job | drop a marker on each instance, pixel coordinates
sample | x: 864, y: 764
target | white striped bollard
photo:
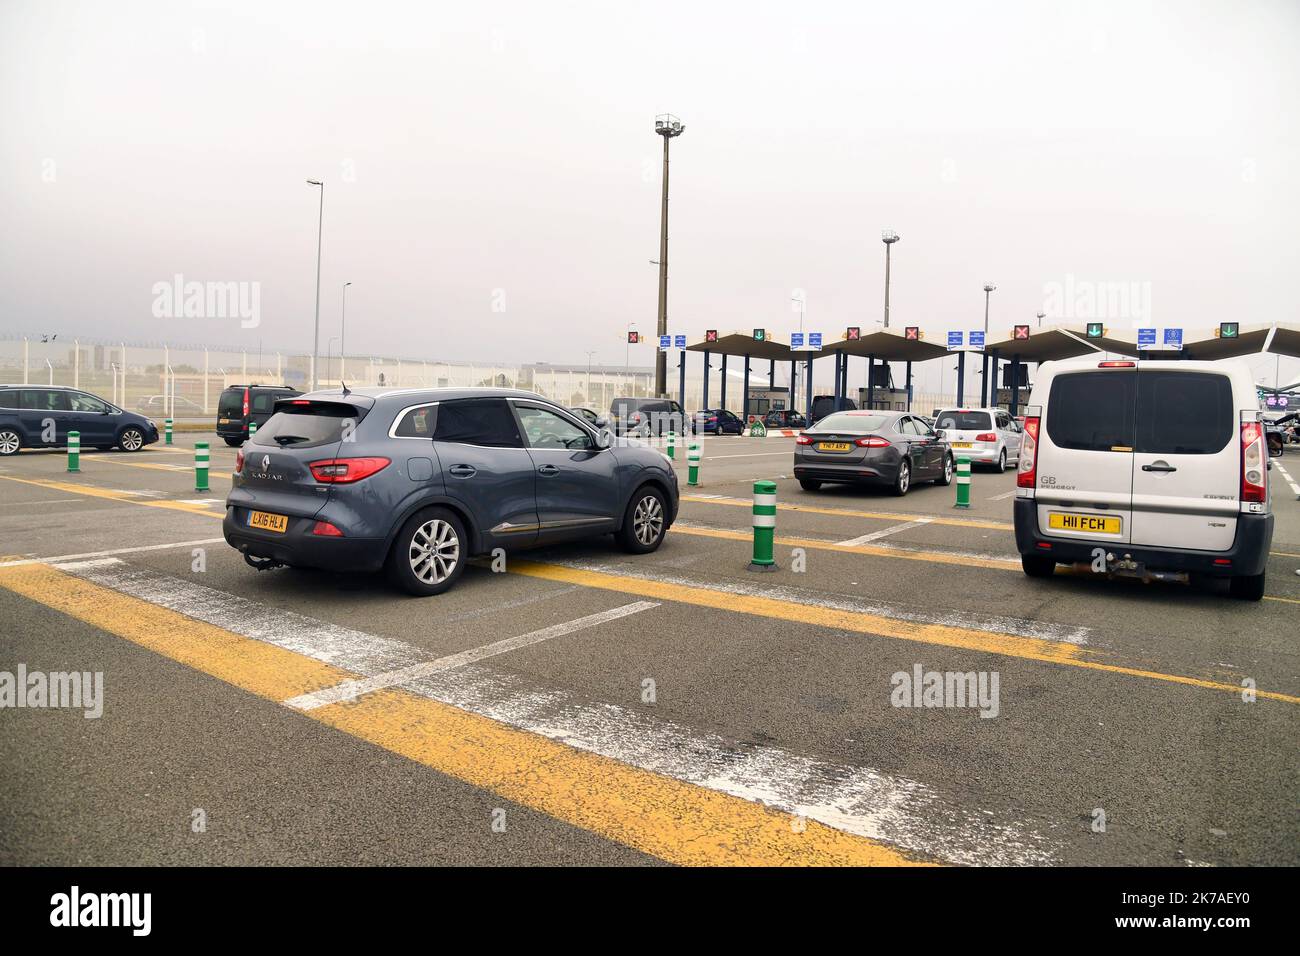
x: 963, y: 483
x: 693, y: 464
x: 764, y: 526
x: 201, y: 466
x: 74, y: 451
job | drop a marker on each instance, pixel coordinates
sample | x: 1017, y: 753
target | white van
x: 1152, y: 469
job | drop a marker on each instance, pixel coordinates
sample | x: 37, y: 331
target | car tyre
x: 131, y: 439
x: 10, y: 441
x: 1249, y: 587
x: 645, y: 522
x: 429, y: 553
x: 810, y: 484
x: 1037, y: 565
x: 234, y: 442
x: 904, y: 479
x: 1001, y: 466
x: 945, y: 478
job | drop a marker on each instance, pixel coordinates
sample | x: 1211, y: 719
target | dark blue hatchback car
x: 416, y: 481
x: 40, y: 416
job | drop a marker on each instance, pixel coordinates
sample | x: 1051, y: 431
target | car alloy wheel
x: 1002, y: 461
x: 434, y: 551
x: 648, y: 519
x: 947, y: 469
x: 10, y: 442
x: 132, y: 440
x: 904, y: 479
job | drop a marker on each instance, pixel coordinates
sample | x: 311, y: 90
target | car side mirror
x: 940, y: 434
x: 602, y: 421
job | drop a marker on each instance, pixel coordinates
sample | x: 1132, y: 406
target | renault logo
x: 266, y: 462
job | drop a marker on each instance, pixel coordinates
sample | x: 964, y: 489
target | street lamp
x: 667, y: 126
x: 1041, y: 316
x: 888, y: 237
x: 590, y: 353
x: 320, y: 225
x: 343, y: 334
x: 985, y: 395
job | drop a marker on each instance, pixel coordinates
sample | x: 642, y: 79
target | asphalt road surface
x: 587, y: 706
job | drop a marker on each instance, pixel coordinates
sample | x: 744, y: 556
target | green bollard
x: 252, y: 429
x: 74, y: 451
x: 672, y: 445
x: 693, y: 464
x: 764, y: 526
x: 963, y: 483
x: 167, y: 431
x: 201, y: 466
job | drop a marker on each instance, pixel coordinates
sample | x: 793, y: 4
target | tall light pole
x: 343, y: 334
x: 590, y: 353
x: 888, y: 237
x: 985, y: 395
x: 1041, y: 316
x: 667, y: 126
x: 320, y: 225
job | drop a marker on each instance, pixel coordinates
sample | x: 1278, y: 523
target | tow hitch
x: 1126, y: 567
x: 262, y: 564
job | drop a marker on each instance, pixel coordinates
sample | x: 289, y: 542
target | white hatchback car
x: 987, y: 436
x: 1152, y: 469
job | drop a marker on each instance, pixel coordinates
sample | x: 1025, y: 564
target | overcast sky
x: 492, y: 175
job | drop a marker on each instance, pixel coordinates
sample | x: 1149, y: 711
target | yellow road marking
x: 658, y: 815
x: 173, y: 469
x: 935, y: 557
x: 1007, y: 645
x: 113, y: 494
x: 1269, y: 597
x: 846, y: 513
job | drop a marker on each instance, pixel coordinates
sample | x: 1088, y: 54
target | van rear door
x: 1085, y: 456
x: 1186, y: 466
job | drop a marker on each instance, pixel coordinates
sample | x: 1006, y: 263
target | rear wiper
x: 283, y: 440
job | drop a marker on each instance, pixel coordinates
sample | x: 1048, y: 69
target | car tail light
x: 239, y: 461
x: 1252, y: 463
x: 326, y: 529
x: 1027, y: 470
x: 245, y: 403
x: 1116, y: 365
x: 986, y: 436
x: 803, y: 440
x: 343, y: 471
x: 872, y: 442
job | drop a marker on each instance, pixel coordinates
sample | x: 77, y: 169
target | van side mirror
x: 1275, y: 449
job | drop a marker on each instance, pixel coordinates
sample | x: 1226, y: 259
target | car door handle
x: 463, y: 471
x: 548, y: 470
x: 1159, y: 466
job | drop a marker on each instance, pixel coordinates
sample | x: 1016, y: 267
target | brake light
x: 1116, y: 365
x: 872, y: 442
x: 1027, y: 470
x: 300, y: 401
x: 344, y: 471
x: 245, y: 403
x: 986, y: 436
x: 803, y: 440
x: 326, y: 529
x: 239, y: 461
x: 1252, y: 463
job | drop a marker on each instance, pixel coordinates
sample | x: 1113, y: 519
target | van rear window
x: 1183, y: 413
x: 1092, y: 411
x: 231, y: 403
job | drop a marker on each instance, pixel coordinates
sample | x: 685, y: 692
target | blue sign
x: 1146, y: 338
x: 955, y: 340
x: 977, y: 340
x: 679, y: 341
x: 796, y: 340
x: 815, y: 340
x: 1174, y: 338
x: 665, y: 341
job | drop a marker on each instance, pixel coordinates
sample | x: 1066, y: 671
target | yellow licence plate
x: 1096, y: 524
x: 962, y: 444
x: 223, y: 421
x: 833, y: 446
x: 268, y: 522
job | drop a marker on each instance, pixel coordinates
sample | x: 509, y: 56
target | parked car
x: 644, y: 417
x: 431, y: 477
x: 157, y: 405
x: 875, y: 447
x: 784, y: 418
x: 240, y: 404
x: 1155, y: 469
x: 987, y: 436
x: 41, y: 417
x: 717, y: 421
x: 824, y: 405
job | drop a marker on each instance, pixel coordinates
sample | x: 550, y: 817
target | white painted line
x: 854, y: 799
x: 104, y: 554
x: 201, y: 501
x: 37, y: 501
x: 350, y: 690
x: 764, y: 454
x: 885, y: 532
x: 1007, y: 494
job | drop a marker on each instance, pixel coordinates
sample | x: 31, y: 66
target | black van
x: 241, y: 404
x: 823, y: 405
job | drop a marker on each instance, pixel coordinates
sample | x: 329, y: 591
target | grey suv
x: 416, y: 481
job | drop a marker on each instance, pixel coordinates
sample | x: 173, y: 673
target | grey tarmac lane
x: 1185, y: 774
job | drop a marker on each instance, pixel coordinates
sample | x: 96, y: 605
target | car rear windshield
x: 964, y: 421
x: 1183, y: 413
x: 840, y: 422
x: 231, y: 402
x: 1092, y: 411
x: 303, y: 426
x: 623, y: 407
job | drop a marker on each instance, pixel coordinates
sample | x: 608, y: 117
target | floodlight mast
x: 667, y: 126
